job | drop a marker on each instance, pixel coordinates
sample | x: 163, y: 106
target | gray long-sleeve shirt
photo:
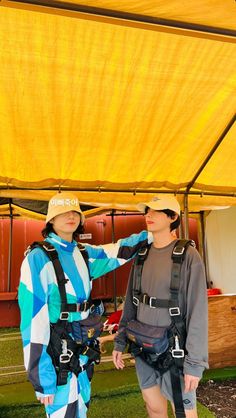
x: 193, y: 303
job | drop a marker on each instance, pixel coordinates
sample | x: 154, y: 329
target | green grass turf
x: 8, y: 330
x: 123, y: 397
x: 119, y: 403
x: 11, y: 353
x: 219, y: 374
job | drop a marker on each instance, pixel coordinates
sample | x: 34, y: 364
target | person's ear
x: 174, y: 218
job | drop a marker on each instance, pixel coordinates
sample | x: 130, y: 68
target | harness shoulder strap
x: 85, y: 256
x: 52, y: 254
x: 137, y: 272
x: 180, y: 248
x: 178, y: 255
x: 178, y: 325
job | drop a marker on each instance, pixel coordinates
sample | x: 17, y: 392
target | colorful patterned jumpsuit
x: 40, y: 305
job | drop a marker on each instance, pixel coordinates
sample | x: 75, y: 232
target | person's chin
x: 71, y: 228
x: 151, y: 228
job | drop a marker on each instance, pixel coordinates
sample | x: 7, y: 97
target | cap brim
x: 156, y: 206
x: 142, y: 207
x: 82, y: 217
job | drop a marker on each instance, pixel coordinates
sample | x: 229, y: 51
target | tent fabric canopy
x: 95, y: 103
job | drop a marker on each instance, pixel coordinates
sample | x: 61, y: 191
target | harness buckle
x: 48, y: 248
x: 86, y: 306
x: 145, y: 297
x: 177, y: 353
x: 92, y: 308
x: 65, y: 358
x: 150, y: 301
x: 175, y: 311
x: 85, y: 350
x: 143, y: 251
x: 135, y: 301
x: 64, y: 316
x: 178, y: 250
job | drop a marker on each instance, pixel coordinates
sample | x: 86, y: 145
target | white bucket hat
x: 161, y: 202
x: 61, y: 203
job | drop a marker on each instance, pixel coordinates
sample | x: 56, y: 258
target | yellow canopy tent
x: 117, y: 100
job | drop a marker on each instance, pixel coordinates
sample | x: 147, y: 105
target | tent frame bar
x: 186, y: 217
x: 128, y: 190
x: 128, y: 16
x: 201, y: 168
x: 211, y: 153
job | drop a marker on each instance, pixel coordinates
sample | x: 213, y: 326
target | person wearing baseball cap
x: 147, y: 303
x: 161, y: 202
x: 40, y: 305
x: 167, y: 205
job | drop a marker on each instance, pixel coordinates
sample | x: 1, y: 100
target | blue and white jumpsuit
x: 40, y: 305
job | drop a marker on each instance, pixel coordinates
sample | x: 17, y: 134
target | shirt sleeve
x: 35, y: 324
x: 105, y: 258
x: 196, y: 359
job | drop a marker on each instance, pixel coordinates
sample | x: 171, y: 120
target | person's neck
x: 66, y: 237
x: 162, y: 239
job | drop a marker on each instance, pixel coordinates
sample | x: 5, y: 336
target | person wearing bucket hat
x: 62, y: 203
x: 168, y: 270
x: 41, y: 307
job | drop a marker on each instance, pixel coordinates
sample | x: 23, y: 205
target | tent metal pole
x: 134, y: 17
x: 181, y: 226
x: 10, y: 247
x: 114, y: 271
x: 186, y: 223
x: 203, y: 239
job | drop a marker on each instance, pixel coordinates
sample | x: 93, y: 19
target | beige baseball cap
x: 61, y: 203
x: 161, y: 202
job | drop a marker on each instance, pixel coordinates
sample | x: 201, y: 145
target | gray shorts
x: 149, y: 377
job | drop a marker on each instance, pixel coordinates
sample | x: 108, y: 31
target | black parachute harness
x: 173, y: 358
x: 62, y: 348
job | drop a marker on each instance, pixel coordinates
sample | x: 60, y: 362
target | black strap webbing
x: 52, y: 254
x: 61, y: 280
x: 177, y: 392
x: 137, y: 270
x: 178, y: 255
x: 85, y: 256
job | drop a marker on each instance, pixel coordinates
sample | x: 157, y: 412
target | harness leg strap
x: 177, y: 392
x: 62, y: 376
